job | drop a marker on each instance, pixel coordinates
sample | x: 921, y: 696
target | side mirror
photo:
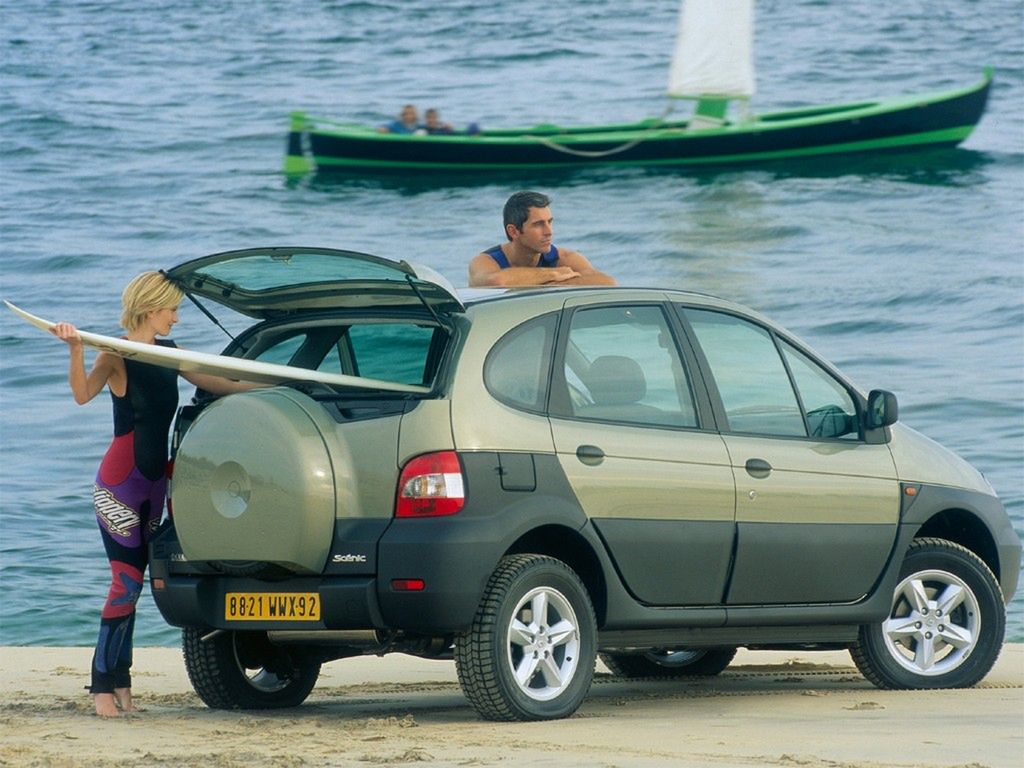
x: 883, y: 409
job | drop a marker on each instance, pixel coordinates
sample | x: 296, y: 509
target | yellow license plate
x: 272, y: 606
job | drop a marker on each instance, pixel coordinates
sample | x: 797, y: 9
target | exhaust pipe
x: 366, y: 641
x: 356, y: 638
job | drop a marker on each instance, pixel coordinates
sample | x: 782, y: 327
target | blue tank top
x: 549, y: 259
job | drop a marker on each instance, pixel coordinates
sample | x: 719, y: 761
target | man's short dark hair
x: 517, y: 208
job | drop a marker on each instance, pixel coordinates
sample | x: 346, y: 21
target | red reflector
x: 431, y: 485
x: 159, y: 584
x: 408, y: 585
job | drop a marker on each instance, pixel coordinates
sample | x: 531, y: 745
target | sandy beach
x: 768, y: 708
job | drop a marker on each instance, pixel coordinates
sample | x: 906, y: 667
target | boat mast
x: 713, y: 60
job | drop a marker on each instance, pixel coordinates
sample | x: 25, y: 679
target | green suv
x: 528, y: 480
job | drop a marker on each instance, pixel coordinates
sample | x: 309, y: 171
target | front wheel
x: 531, y: 650
x: 670, y: 662
x: 945, y: 628
x: 244, y: 670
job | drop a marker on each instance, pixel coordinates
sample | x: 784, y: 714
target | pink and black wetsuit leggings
x: 128, y: 509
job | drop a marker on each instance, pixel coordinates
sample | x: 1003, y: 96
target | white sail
x: 714, y: 50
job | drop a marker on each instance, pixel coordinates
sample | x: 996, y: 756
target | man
x: 529, y: 257
x: 432, y: 123
x: 406, y: 122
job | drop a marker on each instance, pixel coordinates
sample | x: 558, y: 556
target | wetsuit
x: 549, y: 259
x: 129, y: 500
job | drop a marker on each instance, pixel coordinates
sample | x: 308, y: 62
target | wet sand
x: 767, y: 709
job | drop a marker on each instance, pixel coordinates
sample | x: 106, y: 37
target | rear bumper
x: 453, y: 565
x: 199, y: 601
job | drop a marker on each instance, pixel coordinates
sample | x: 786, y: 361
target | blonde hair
x: 148, y: 292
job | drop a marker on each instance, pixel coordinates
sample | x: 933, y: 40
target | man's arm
x: 587, y: 273
x: 484, y: 272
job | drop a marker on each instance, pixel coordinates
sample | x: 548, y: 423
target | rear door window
x: 622, y: 364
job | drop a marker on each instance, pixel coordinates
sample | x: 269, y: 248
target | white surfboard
x: 218, y: 365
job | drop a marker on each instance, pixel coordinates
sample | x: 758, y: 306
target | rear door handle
x: 590, y: 454
x: 758, y: 468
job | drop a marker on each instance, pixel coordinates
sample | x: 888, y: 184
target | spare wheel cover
x: 253, y: 481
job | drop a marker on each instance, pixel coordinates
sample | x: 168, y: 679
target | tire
x: 243, y: 670
x: 513, y: 665
x: 670, y: 662
x: 945, y: 628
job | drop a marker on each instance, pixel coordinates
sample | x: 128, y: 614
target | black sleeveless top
x: 147, y: 409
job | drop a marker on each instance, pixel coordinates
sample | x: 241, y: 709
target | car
x: 647, y: 476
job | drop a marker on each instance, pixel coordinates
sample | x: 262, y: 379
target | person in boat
x: 529, y: 257
x: 408, y: 121
x: 128, y: 494
x: 432, y: 123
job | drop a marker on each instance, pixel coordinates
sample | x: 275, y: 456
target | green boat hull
x: 942, y: 119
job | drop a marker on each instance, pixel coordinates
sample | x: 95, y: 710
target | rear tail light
x: 431, y: 485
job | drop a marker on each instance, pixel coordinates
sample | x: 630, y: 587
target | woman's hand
x: 67, y: 333
x: 107, y: 370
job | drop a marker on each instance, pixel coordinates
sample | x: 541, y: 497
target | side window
x: 282, y: 352
x: 829, y: 407
x: 331, y: 362
x: 622, y: 364
x: 752, y: 381
x: 390, y: 351
x: 517, y: 368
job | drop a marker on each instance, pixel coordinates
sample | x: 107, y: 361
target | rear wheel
x: 530, y: 652
x: 670, y: 662
x: 244, y: 670
x: 945, y: 628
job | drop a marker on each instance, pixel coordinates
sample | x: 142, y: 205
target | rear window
x: 268, y: 271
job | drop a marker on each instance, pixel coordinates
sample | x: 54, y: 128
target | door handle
x: 590, y: 454
x: 758, y: 468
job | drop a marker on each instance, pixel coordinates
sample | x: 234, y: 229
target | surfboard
x: 186, y: 361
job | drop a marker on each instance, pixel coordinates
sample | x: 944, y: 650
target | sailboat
x: 712, y: 66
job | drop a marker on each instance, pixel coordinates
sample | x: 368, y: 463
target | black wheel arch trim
x: 972, y: 519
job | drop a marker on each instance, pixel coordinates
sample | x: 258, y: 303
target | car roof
x: 557, y: 297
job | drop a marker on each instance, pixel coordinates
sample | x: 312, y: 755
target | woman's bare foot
x: 106, y: 705
x: 123, y: 697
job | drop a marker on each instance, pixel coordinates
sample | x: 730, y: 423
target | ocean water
x: 138, y: 135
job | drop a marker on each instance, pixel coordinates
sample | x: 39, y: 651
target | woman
x: 132, y: 478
